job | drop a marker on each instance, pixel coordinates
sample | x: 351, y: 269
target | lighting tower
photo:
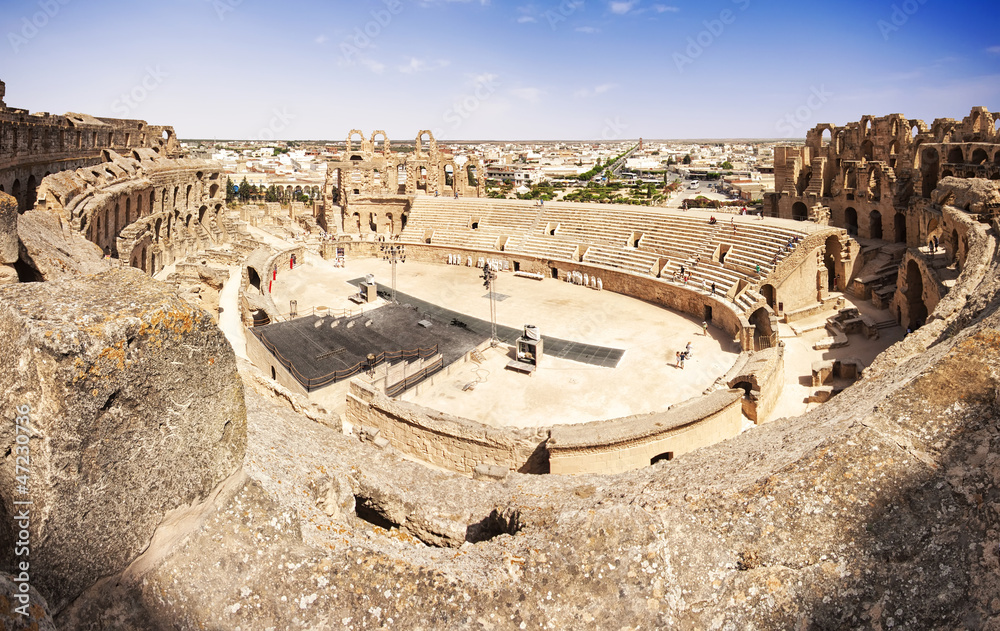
x: 394, y: 252
x: 489, y: 276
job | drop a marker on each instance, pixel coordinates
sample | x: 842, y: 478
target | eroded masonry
x: 176, y: 485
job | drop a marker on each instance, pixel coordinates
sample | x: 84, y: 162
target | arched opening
x: 357, y: 223
x: 668, y: 455
x: 473, y: 174
x: 832, y: 257
x: 31, y: 193
x: 826, y: 138
x: 156, y: 233
x: 373, y: 222
x: 800, y: 212
x: 979, y: 157
x: 852, y: 178
x: 868, y: 126
x: 899, y: 228
x: 128, y: 211
x: 767, y: 291
x: 875, y: 225
x: 213, y: 190
x: 955, y: 155
x: 914, y: 132
x: 929, y: 169
x: 851, y: 221
x: 761, y: 319
x: 422, y: 179
x: 15, y: 192
x: 400, y: 179
x: 142, y: 260
x: 402, y: 221
x: 390, y: 226
x: 917, y: 310
x: 868, y: 150
x: 875, y: 185
x: 260, y: 319
x: 253, y: 277
x: 449, y: 175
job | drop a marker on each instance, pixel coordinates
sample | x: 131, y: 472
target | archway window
x: 875, y: 225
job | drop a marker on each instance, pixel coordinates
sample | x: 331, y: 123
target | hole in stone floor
x: 497, y: 523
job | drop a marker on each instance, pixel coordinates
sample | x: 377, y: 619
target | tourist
x: 711, y: 220
x: 687, y: 350
x: 757, y: 268
x: 937, y: 244
x: 713, y: 287
x: 680, y: 360
x: 704, y: 327
x: 682, y: 270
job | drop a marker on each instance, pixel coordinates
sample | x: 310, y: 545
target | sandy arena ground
x: 563, y: 391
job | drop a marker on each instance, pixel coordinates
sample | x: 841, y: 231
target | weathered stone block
x: 8, y: 229
x: 136, y: 408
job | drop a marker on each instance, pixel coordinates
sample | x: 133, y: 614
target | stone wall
x: 444, y: 440
x: 143, y: 209
x: 35, y: 145
x: 655, y: 290
x: 761, y: 378
x: 631, y: 443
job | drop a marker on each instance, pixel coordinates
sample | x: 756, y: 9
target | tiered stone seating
x: 606, y: 231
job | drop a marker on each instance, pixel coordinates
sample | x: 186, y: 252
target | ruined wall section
x: 145, y: 210
x: 870, y: 173
x: 373, y: 186
x: 35, y: 145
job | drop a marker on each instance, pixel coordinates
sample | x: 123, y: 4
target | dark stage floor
x: 317, y: 347
x: 554, y: 347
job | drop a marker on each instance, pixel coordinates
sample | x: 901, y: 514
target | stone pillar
x: 9, y: 249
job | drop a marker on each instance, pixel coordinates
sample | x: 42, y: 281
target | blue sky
x: 478, y: 69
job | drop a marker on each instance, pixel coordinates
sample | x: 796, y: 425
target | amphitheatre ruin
x: 411, y: 405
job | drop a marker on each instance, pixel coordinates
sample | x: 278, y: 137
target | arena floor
x: 562, y: 391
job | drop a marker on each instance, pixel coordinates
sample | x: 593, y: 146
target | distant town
x: 649, y: 173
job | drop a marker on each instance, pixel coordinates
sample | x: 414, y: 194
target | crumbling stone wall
x: 618, y: 445
x: 870, y: 173
x: 143, y: 209
x: 32, y: 146
x: 373, y: 187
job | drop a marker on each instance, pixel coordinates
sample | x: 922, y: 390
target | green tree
x: 244, y: 191
x: 687, y: 159
x: 726, y: 166
x: 230, y: 190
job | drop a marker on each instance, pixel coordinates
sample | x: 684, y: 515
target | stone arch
x: 770, y: 297
x: 929, y: 167
x: 799, y: 211
x: 899, y: 227
x: 868, y: 150
x: 761, y: 319
x: 804, y: 179
x: 472, y: 172
x: 875, y: 225
x: 431, y: 143
x: 449, y: 174
x: 826, y: 136
x: 955, y: 155
x: 916, y: 308
x: 350, y: 140
x: 833, y: 261
x: 373, y: 222
x: 385, y: 149
x: 156, y: 231
x: 390, y: 223
x: 128, y: 210
x: 357, y: 222
x: 851, y: 220
x: 875, y: 184
x: 979, y: 157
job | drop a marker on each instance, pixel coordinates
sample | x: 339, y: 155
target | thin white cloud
x: 322, y: 39
x: 526, y: 19
x: 993, y: 50
x: 665, y: 8
x: 588, y: 30
x: 415, y: 65
x: 622, y: 7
